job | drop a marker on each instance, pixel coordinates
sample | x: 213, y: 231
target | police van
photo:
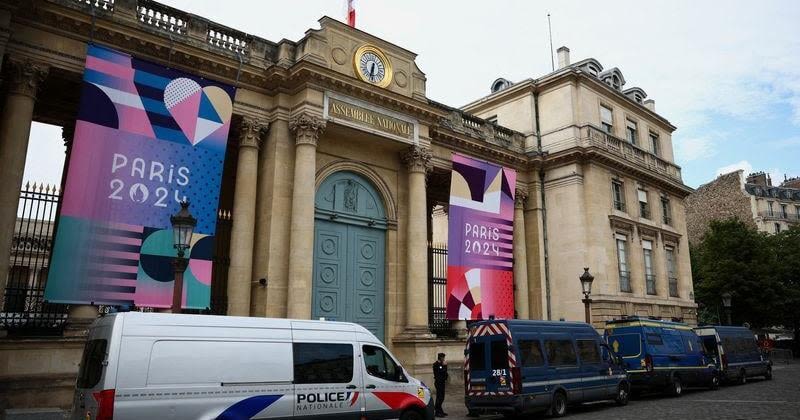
x: 735, y: 353
x: 520, y: 366
x: 661, y: 355
x: 150, y: 365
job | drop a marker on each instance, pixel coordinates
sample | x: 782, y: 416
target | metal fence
x: 24, y: 310
x: 437, y: 292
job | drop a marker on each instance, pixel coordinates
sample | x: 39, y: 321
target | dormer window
x: 500, y: 84
x: 615, y: 82
x: 592, y: 70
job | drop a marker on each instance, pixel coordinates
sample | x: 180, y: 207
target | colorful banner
x: 480, y: 280
x: 146, y: 138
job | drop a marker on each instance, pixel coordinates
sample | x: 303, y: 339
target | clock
x: 372, y: 66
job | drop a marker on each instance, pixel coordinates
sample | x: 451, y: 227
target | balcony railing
x: 650, y: 280
x: 673, y: 287
x: 776, y: 215
x: 625, y: 281
x: 619, y: 205
x: 667, y: 220
x: 630, y: 152
x: 644, y: 212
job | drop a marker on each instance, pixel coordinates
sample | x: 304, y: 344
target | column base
x: 416, y: 333
x: 77, y: 327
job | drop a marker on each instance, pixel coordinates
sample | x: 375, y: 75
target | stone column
x: 307, y: 130
x: 418, y: 162
x: 520, y: 256
x: 244, y: 214
x: 23, y: 80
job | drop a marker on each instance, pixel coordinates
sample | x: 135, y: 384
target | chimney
x: 650, y: 104
x: 563, y: 57
x: 759, y: 178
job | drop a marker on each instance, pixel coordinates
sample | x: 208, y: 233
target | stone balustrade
x: 592, y: 136
x: 470, y: 125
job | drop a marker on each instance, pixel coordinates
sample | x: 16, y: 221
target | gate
x: 437, y: 292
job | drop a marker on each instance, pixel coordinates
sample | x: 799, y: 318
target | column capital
x: 417, y: 159
x: 306, y: 129
x: 25, y: 76
x: 252, y: 131
x: 520, y: 197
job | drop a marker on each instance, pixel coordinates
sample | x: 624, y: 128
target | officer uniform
x: 439, y: 379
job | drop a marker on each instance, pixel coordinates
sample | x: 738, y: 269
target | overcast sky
x: 726, y: 73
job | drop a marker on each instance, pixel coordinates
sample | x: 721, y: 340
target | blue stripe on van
x: 247, y: 408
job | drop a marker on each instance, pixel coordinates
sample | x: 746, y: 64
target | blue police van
x: 521, y: 366
x: 661, y: 355
x: 735, y: 353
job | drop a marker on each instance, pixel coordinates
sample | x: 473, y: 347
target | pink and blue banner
x: 146, y: 138
x: 480, y: 279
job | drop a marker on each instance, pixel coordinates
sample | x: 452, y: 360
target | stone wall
x: 720, y: 199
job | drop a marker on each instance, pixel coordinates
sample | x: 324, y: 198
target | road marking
x: 748, y: 401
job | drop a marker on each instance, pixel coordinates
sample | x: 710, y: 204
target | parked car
x: 151, y: 365
x: 661, y: 355
x: 735, y: 353
x: 520, y: 366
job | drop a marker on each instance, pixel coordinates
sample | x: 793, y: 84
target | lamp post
x: 183, y: 224
x: 726, y: 302
x: 586, y: 285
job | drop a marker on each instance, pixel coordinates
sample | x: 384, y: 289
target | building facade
x: 338, y: 168
x: 752, y: 199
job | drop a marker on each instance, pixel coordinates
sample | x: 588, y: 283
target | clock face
x: 372, y: 67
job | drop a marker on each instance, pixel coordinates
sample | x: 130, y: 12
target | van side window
x: 560, y: 353
x: 672, y: 340
x: 477, y: 356
x: 323, y: 363
x: 380, y: 365
x: 92, y: 363
x: 654, y: 339
x: 531, y: 353
x: 588, y: 351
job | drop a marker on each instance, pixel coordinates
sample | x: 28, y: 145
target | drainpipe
x: 544, y: 209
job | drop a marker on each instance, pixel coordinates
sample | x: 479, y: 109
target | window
x: 666, y: 211
x: 380, y: 365
x: 671, y: 272
x: 622, y: 260
x: 655, y: 145
x: 654, y: 339
x: 477, y: 356
x: 797, y: 212
x: 644, y: 207
x: 777, y: 228
x: 499, y: 349
x: 91, y: 368
x: 650, y: 278
x: 626, y: 345
x: 631, y: 131
x: 769, y: 208
x: 615, y: 82
x: 531, y: 353
x: 606, y: 119
x: 784, y: 213
x: 587, y: 349
x: 318, y: 363
x: 618, y: 190
x: 560, y: 353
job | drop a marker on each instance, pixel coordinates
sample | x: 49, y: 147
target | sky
x: 726, y: 73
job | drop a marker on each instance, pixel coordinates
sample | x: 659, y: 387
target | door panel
x: 367, y: 263
x: 330, y: 271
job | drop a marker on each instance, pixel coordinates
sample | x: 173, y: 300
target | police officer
x: 439, y: 380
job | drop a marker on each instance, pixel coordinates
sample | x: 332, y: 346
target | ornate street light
x: 183, y: 224
x: 726, y: 302
x: 586, y: 284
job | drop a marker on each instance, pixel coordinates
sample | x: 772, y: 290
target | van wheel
x: 558, y: 408
x: 768, y: 373
x: 676, y: 387
x: 622, y: 395
x: 714, y: 382
x: 411, y: 415
x: 742, y: 377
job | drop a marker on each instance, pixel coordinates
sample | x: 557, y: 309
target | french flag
x: 351, y: 13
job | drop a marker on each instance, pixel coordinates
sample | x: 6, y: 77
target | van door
x: 594, y: 374
x: 94, y: 391
x: 531, y: 361
x: 562, y: 365
x: 387, y: 389
x: 499, y: 377
x: 327, y: 380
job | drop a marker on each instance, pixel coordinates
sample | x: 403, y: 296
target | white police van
x: 174, y: 366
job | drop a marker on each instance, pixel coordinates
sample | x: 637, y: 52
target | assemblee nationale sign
x: 370, y: 118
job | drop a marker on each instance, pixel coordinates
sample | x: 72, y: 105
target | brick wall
x: 720, y: 199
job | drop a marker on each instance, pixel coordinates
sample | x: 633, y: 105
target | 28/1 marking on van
x: 499, y: 372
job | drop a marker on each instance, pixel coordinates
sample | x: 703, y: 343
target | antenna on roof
x: 550, y: 30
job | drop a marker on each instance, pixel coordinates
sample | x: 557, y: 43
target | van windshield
x: 92, y: 363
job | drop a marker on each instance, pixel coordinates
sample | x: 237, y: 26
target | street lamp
x: 586, y: 284
x: 726, y: 302
x: 183, y: 224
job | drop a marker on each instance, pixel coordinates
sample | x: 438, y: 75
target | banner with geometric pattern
x: 146, y: 138
x: 480, y: 278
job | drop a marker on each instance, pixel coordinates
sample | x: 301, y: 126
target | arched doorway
x: 349, y: 252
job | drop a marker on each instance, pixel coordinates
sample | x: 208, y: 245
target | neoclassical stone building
x: 337, y: 160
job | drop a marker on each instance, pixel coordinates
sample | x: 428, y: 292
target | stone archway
x: 349, y: 252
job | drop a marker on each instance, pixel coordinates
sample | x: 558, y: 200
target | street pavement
x: 758, y: 399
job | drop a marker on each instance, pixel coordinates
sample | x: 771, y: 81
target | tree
x: 786, y: 246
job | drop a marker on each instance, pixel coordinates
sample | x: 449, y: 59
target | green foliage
x: 762, y: 272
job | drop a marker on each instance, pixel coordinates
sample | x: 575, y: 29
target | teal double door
x: 349, y: 254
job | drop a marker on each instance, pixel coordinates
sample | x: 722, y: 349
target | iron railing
x: 673, y: 287
x: 650, y: 280
x: 625, y: 281
x: 437, y: 292
x: 25, y: 311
